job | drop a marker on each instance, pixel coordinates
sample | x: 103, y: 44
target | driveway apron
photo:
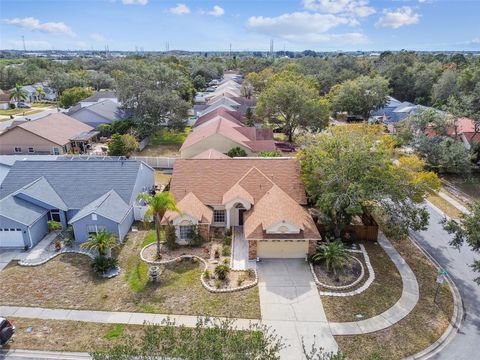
x: 291, y: 305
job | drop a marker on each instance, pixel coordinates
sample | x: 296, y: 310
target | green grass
x: 19, y: 112
x: 151, y: 238
x: 138, y: 276
x: 168, y: 137
x: 115, y: 332
x: 42, y: 104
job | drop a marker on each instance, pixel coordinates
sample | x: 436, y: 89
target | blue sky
x: 246, y: 24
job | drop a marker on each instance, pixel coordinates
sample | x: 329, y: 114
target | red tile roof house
x: 54, y: 134
x: 223, y: 134
x: 264, y: 198
x: 464, y: 129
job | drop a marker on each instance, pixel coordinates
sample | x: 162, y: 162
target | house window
x: 54, y: 215
x: 219, y: 216
x: 18, y: 149
x: 31, y: 150
x: 185, y: 231
x: 94, y: 229
x: 56, y: 151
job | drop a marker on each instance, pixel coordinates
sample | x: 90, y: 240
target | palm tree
x: 40, y: 93
x: 333, y: 254
x: 102, y: 241
x: 18, y: 94
x: 158, y: 205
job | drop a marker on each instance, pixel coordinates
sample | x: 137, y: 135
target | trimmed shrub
x: 221, y: 271
x: 101, y: 264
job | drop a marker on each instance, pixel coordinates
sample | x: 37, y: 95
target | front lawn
x: 444, y: 205
x: 68, y: 282
x: 418, y: 330
x: 383, y: 293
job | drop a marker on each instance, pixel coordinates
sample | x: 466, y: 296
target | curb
x: 457, y: 316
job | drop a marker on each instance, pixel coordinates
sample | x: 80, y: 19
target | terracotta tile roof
x: 235, y: 133
x: 274, y: 207
x: 204, y: 120
x: 191, y: 205
x: 235, y: 192
x: 209, y: 180
x: 4, y: 96
x: 57, y: 127
x: 211, y: 154
x: 225, y: 113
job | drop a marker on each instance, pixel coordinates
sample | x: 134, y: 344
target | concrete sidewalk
x: 408, y: 300
x: 107, y: 317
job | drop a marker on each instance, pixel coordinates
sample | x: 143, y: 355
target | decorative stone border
x: 365, y: 286
x: 202, y: 278
x: 42, y: 261
x: 342, y: 287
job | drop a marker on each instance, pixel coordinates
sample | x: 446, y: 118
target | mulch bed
x: 150, y: 252
x: 231, y: 281
x: 344, y: 276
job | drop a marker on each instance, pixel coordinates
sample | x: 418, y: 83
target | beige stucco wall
x: 216, y: 141
x: 24, y: 139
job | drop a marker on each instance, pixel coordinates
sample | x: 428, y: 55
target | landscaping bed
x: 418, y: 330
x: 150, y: 253
x: 382, y: 294
x: 68, y: 282
x: 343, y: 276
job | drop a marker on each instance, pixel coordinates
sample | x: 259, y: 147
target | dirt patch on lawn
x: 68, y: 282
x: 423, y: 326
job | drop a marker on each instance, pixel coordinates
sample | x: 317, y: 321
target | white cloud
x: 180, y: 9
x: 30, y: 23
x: 358, y: 8
x: 338, y: 39
x: 297, y: 24
x: 216, y: 11
x: 135, y: 2
x: 398, y: 18
x: 30, y: 44
x: 97, y: 37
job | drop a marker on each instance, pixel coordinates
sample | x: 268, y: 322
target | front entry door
x: 240, y: 216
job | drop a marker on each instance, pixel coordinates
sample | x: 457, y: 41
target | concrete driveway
x: 9, y: 255
x: 291, y: 305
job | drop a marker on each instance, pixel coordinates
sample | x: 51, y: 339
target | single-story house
x: 4, y: 100
x: 99, y: 96
x: 234, y: 116
x: 53, y: 134
x: 464, y: 129
x: 34, y: 95
x: 89, y: 195
x: 103, y: 112
x: 223, y: 135
x: 264, y: 198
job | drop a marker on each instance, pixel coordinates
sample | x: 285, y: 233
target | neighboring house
x: 393, y: 112
x: 99, y: 96
x: 234, y: 116
x: 90, y: 195
x: 208, y: 154
x: 264, y: 198
x: 53, y: 134
x: 32, y: 94
x: 103, y: 112
x: 4, y: 100
x: 464, y: 129
x: 223, y: 135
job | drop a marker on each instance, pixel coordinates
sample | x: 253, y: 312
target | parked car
x: 285, y: 146
x: 354, y: 118
x: 7, y: 329
x: 22, y: 105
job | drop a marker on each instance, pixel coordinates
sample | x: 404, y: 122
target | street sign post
x: 440, y: 280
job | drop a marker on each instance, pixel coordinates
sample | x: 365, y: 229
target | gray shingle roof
x: 107, y: 109
x: 97, y: 95
x: 110, y: 206
x: 41, y: 190
x: 78, y: 183
x: 20, y: 210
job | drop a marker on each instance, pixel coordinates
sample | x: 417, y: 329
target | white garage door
x: 11, y: 238
x: 282, y: 249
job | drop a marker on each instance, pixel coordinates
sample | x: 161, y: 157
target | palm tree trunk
x: 157, y: 229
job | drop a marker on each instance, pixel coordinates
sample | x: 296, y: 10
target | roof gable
x: 110, y: 206
x: 42, y: 191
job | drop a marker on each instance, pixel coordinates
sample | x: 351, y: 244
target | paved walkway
x: 240, y: 251
x: 6, y: 256
x: 42, y: 247
x: 13, y: 354
x: 106, y: 317
x: 291, y: 305
x: 406, y: 303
